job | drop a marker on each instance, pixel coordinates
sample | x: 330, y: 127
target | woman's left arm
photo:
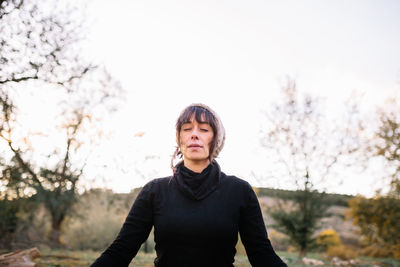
x: 254, y: 234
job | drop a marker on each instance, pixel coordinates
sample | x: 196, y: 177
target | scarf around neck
x: 197, y: 186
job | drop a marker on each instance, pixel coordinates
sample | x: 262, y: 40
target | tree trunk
x: 55, y: 232
x: 55, y: 236
x: 303, y: 252
x: 20, y: 258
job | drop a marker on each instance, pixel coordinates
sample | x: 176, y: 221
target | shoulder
x: 237, y: 188
x: 158, y: 182
x: 234, y: 179
x: 154, y: 188
x: 234, y: 182
x: 162, y: 180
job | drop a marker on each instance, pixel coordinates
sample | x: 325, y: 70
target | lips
x: 194, y: 146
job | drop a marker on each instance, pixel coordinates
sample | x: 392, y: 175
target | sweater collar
x: 195, y: 185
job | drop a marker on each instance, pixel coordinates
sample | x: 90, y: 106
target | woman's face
x: 195, y: 139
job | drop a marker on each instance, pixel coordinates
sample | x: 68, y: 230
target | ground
x: 68, y: 258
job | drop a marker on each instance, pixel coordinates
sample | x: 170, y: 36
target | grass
x: 67, y: 258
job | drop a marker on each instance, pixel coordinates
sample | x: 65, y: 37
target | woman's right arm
x: 254, y: 235
x: 134, y: 232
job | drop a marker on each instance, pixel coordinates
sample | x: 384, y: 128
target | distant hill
x: 330, y: 199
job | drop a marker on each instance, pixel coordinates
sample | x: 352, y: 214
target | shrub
x: 328, y: 238
x: 376, y: 251
x: 8, y: 221
x: 379, y: 222
x: 97, y: 218
x: 95, y: 232
x: 279, y: 240
x: 342, y: 252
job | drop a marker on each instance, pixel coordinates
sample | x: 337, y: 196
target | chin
x: 198, y: 158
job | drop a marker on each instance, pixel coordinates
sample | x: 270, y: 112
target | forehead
x: 196, y: 114
x: 193, y: 119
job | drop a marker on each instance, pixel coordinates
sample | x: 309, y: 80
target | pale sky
x: 234, y: 56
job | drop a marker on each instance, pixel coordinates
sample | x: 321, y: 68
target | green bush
x: 8, y: 221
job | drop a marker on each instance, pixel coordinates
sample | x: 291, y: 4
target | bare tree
x: 305, y: 147
x: 7, y: 6
x: 39, y: 47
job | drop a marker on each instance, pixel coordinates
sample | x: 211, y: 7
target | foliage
x: 342, y: 252
x: 305, y: 150
x: 279, y: 241
x: 299, y: 220
x: 82, y: 230
x: 379, y: 217
x: 8, y: 221
x: 386, y: 142
x: 24, y: 223
x: 330, y: 199
x: 375, y: 252
x: 379, y: 221
x: 328, y: 238
x: 34, y: 225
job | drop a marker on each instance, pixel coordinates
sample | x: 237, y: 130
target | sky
x: 235, y: 56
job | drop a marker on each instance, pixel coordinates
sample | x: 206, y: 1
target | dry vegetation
x: 68, y: 258
x: 336, y: 221
x: 98, y: 216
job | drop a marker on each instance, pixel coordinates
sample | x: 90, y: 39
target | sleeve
x: 254, y: 234
x: 133, y: 233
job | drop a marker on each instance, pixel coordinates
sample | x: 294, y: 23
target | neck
x: 196, y: 166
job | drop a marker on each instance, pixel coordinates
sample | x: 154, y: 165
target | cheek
x: 181, y: 138
x: 210, y: 139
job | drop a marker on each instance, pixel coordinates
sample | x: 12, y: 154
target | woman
x: 198, y: 212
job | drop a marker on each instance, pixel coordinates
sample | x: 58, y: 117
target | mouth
x: 194, y: 146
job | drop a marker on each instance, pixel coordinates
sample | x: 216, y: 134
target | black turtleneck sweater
x: 196, y: 219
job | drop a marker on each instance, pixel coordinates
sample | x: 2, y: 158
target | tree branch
x: 4, y: 3
x: 13, y: 79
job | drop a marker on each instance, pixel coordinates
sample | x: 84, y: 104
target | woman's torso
x: 190, y: 232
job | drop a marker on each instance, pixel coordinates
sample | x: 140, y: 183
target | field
x: 85, y: 237
x: 65, y: 258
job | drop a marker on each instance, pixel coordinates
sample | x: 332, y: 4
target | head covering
x: 219, y: 139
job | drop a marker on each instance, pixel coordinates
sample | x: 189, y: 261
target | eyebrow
x: 200, y: 122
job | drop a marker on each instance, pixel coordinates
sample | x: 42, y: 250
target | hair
x: 201, y: 115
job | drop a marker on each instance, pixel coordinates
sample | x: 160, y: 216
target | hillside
x: 329, y: 198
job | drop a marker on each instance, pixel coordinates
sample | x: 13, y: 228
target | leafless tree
x: 40, y: 47
x: 304, y: 148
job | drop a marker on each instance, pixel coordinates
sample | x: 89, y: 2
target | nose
x: 195, y: 133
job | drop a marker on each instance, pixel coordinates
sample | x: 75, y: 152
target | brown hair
x: 201, y: 115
